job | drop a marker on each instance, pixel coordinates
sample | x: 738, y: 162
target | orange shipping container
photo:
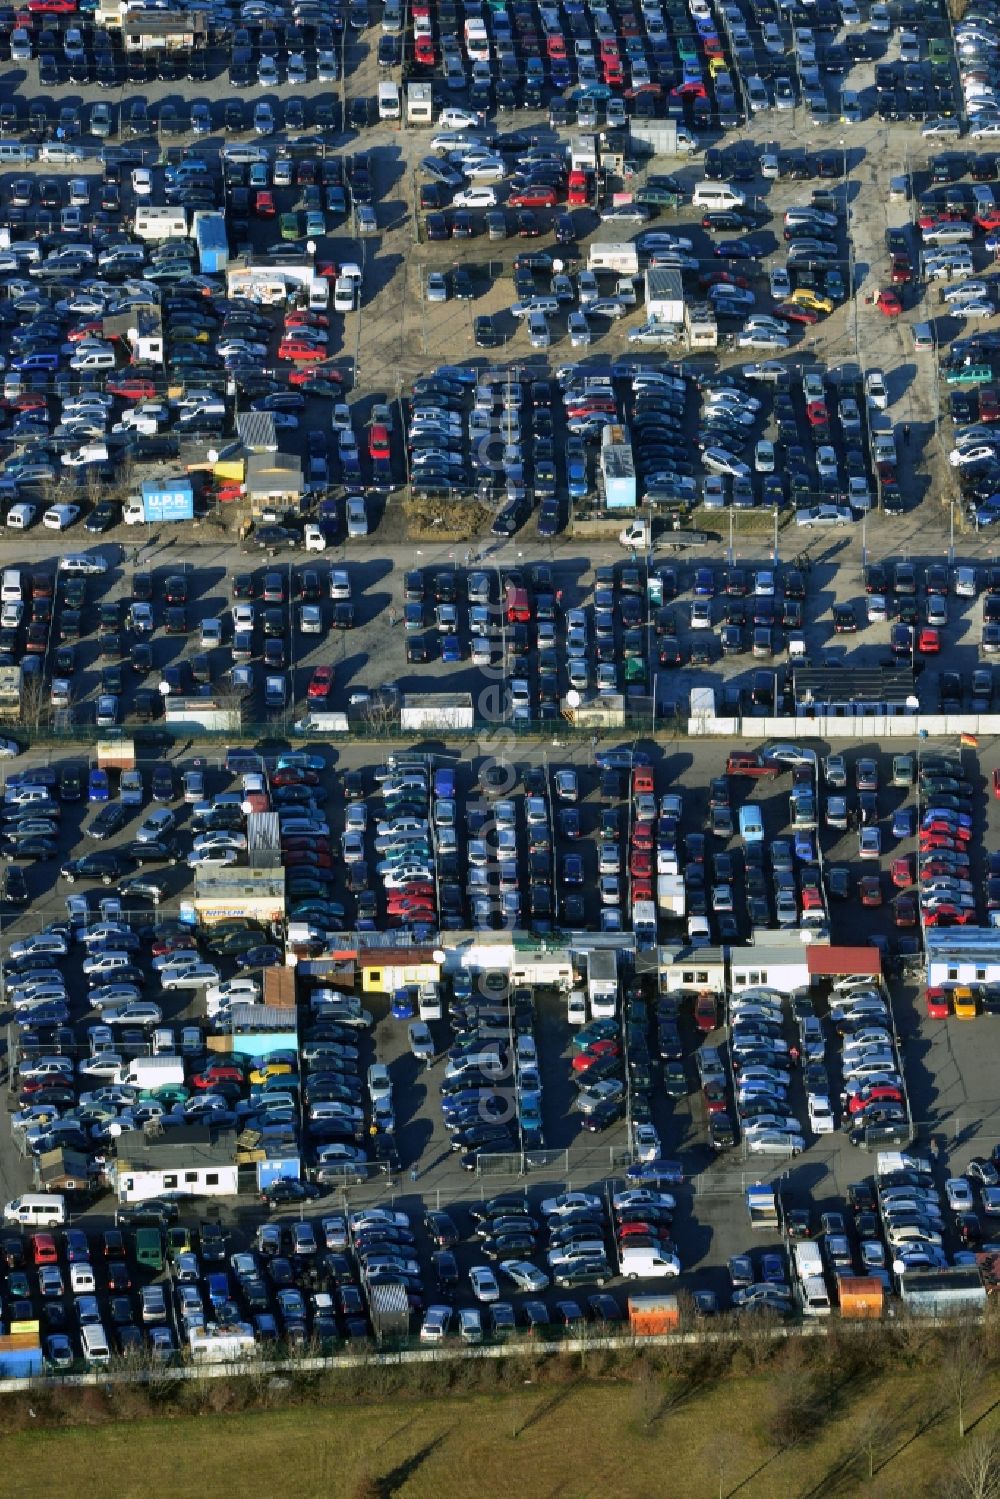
x: 279, y: 988
x: 861, y: 1296
x: 650, y: 1315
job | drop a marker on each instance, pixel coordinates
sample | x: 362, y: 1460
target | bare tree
x: 976, y: 1469
x: 34, y: 700
x: 961, y: 1368
x: 870, y: 1433
x: 722, y: 1454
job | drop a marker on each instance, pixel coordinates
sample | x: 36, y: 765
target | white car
x: 959, y: 1194
x: 484, y: 1283
x: 243, y: 617
x: 475, y: 197
x: 877, y: 609
x: 190, y: 976
x: 525, y: 1275
x: 821, y: 1119
x: 60, y: 517
x: 824, y: 515
x: 569, y: 1202
x: 242, y: 991
x: 142, y: 182
x: 869, y: 843
x: 875, y: 390
x: 761, y: 339
x: 701, y: 614
x: 764, y: 458
x: 719, y: 461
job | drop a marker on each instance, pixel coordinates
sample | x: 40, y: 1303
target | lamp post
x: 951, y: 529
x: 774, y: 556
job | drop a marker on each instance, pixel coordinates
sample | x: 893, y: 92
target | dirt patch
x: 445, y: 520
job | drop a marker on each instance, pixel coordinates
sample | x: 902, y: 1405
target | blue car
x: 656, y: 1173
x: 98, y: 787
x: 403, y: 1007
x: 444, y: 782
x: 451, y: 649
x: 259, y: 957
x: 903, y: 822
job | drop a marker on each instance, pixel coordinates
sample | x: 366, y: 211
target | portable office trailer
x: 419, y: 104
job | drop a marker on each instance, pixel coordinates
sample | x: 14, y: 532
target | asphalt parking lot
x: 396, y: 281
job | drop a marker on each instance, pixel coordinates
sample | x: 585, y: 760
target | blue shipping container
x: 210, y: 237
x: 167, y: 500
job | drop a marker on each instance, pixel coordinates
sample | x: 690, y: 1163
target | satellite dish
x: 439, y: 955
x: 114, y: 1130
x: 573, y: 698
x: 311, y: 246
x: 213, y: 456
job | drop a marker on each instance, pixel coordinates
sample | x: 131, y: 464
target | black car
x: 287, y: 1189
x: 155, y: 1212
x: 15, y: 886
x: 109, y: 819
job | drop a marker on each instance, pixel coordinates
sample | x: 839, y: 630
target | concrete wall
x: 901, y: 726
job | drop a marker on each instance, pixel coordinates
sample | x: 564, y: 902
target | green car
x: 969, y: 374
x: 661, y: 197
x: 635, y: 670
x: 288, y: 226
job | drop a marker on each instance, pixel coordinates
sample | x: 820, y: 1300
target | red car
x: 642, y: 837
x: 307, y: 858
x: 640, y: 863
x: 642, y: 890
x: 996, y: 784
x: 378, y: 441
x: 52, y: 7
x: 888, y: 302
x: 902, y: 872
x: 594, y: 1053
x: 793, y: 313
x: 290, y: 776
x: 905, y: 911
x: 881, y: 1093
x: 85, y: 330
x: 179, y: 942
x: 264, y: 205
x: 306, y: 320
x: 871, y: 890
x: 989, y: 406
x: 642, y: 781
x: 938, y: 1004
x: 305, y: 378
x: 304, y: 352
x: 533, y: 197
x: 43, y: 1250
x: 320, y: 685
x: 423, y: 52
x: 220, y: 1073
x: 929, y: 640
x: 555, y: 46
x: 130, y: 387
x: 705, y: 1012
x: 817, y: 414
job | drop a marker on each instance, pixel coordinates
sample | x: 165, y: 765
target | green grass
x: 585, y: 1437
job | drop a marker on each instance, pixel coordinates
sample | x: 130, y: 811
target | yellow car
x: 717, y: 65
x: 261, y: 1075
x: 805, y: 297
x: 964, y: 1003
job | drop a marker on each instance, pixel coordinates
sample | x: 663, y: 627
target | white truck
x: 644, y: 924
x: 671, y: 895
x: 151, y: 1072
x: 602, y: 983
x: 637, y: 535
x: 429, y: 1000
x: 813, y: 1294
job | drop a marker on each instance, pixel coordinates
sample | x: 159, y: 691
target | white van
x: 12, y: 587
x: 94, y: 1343
x: 388, y: 101
x: 21, y: 517
x: 82, y: 1281
x: 717, y: 195
x: 648, y: 1264
x: 36, y: 1210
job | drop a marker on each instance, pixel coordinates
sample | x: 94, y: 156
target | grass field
x: 588, y: 1437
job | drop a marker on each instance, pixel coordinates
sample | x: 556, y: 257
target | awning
x: 843, y: 962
